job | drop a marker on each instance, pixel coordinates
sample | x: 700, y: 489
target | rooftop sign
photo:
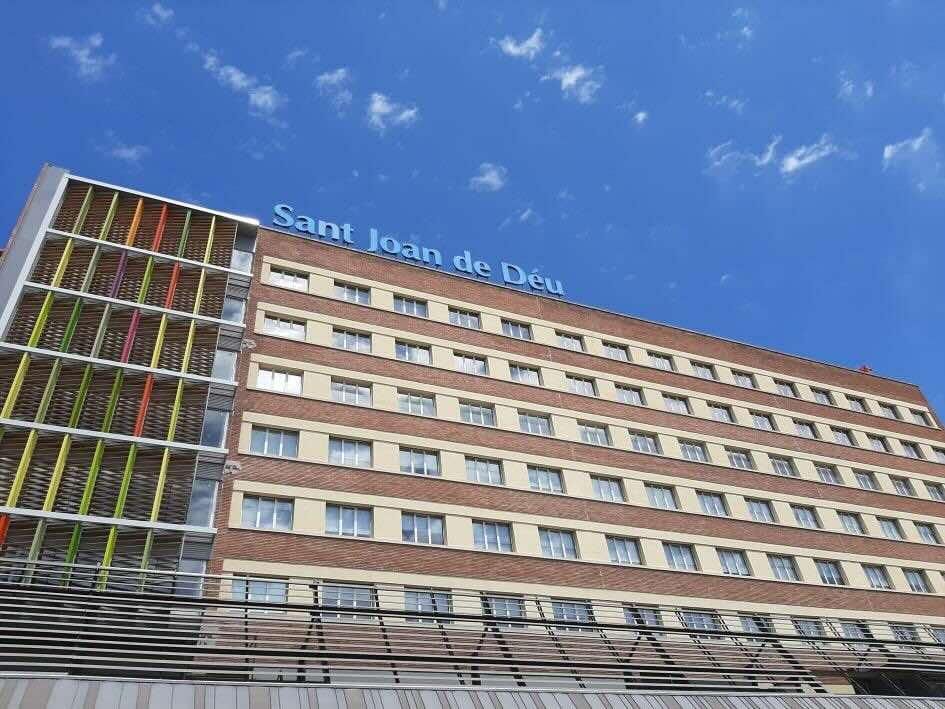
x: 284, y: 215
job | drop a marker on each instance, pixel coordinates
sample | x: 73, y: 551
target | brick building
x: 412, y: 449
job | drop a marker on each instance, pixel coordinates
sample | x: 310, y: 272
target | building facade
x: 410, y: 449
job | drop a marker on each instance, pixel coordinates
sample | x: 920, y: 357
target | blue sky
x: 770, y: 172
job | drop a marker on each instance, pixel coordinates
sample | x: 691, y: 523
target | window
x: 911, y: 449
x: 927, y: 533
x: 904, y: 632
x: 917, y: 580
x: 920, y: 417
x: 518, y: 330
x: 288, y: 279
x: 410, y: 306
x: 756, y: 624
x: 762, y: 421
x: 783, y: 567
x: 629, y: 395
x: 524, y: 375
x: 938, y: 635
x: 234, y: 309
x: 224, y: 365
x: 471, y: 364
x: 830, y: 573
x: 349, y: 521
x: 661, y: 361
x: 822, y: 396
x: 557, y: 543
x: 594, y: 434
x: 877, y: 576
x: 492, y: 536
x: 259, y: 590
x: 623, y: 550
x: 571, y: 342
x: 274, y: 441
x: 419, y: 404
x: 427, y: 602
x: 642, y: 615
x: 534, y: 423
x: 345, y: 451
x: 615, y: 351
x: 828, y: 473
x: 738, y: 458
x: 851, y: 522
x: 805, y: 428
x: 349, y: 340
x: 700, y: 620
x: 350, y: 392
x: 417, y: 461
x: 760, y: 510
x: 544, y: 479
x: 352, y: 293
x: 572, y: 611
x: 809, y: 627
x: 608, y: 489
x: 694, y: 451
x: 202, y: 506
x: 806, y: 516
x: 856, y: 404
x: 866, y: 480
x: 676, y: 404
x: 783, y: 466
x: 482, y: 414
x: 484, y: 470
x: 504, y: 607
x: 267, y: 513
x: 734, y: 562
x: 465, y: 318
x: 712, y: 503
x: 785, y: 388
x: 421, y: 529
x: 842, y: 436
x: 936, y: 491
x: 408, y: 352
x: 744, y: 379
x: 888, y: 410
x: 284, y: 327
x: 680, y: 556
x: 902, y: 486
x: 891, y: 528
x: 644, y: 443
x: 349, y: 597
x: 581, y: 385
x: 721, y: 413
x: 939, y: 455
x: 661, y: 496
x: 878, y: 443
x: 703, y: 371
x: 279, y: 380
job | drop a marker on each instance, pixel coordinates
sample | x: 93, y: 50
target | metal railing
x: 232, y: 628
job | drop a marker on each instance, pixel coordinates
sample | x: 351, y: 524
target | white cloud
x: 90, y: 62
x: 264, y: 100
x: 382, y: 112
x: 640, y: 117
x: 742, y: 28
x: 293, y: 57
x: 491, y: 178
x: 119, y: 150
x: 732, y: 103
x: 577, y: 81
x: 807, y: 155
x: 919, y: 158
x: 525, y: 216
x: 159, y: 14
x: 726, y: 277
x: 334, y: 85
x: 528, y: 48
x: 854, y: 92
x: 725, y: 161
